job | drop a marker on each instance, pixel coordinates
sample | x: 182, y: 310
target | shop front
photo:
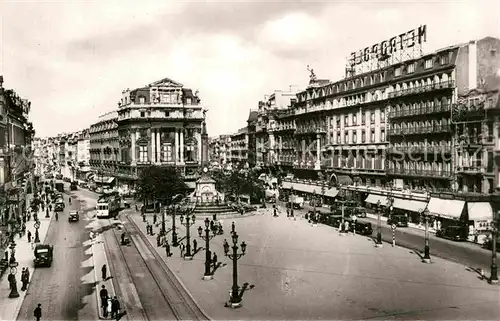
x: 410, y: 208
x: 479, y: 218
x: 446, y: 212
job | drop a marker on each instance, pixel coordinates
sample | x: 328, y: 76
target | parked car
x: 454, y: 232
x: 73, y: 216
x: 398, y: 220
x: 364, y: 228
x: 43, y: 255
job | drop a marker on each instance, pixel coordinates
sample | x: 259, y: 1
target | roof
x: 252, y: 116
x: 205, y: 179
x: 165, y: 81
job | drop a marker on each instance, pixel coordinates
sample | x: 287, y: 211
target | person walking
x: 104, y: 271
x: 154, y: 218
x: 195, y: 245
x: 233, y: 227
x: 38, y: 312
x: 115, y: 307
x: 29, y: 236
x: 182, y: 248
x: 167, y: 249
x: 214, y: 260
x: 104, y: 300
x: 158, y: 240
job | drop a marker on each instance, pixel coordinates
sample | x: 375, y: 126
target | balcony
x: 419, y: 173
x: 282, y: 128
x: 421, y: 110
x: 422, y: 89
x: 464, y: 113
x: 419, y: 130
x: 306, y: 130
x: 470, y: 170
x: 304, y: 165
x: 430, y: 149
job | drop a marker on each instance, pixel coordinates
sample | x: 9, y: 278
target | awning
x: 446, y: 208
x: 409, y: 205
x: 373, y: 199
x: 344, y: 180
x: 332, y: 192
x: 104, y: 180
x: 480, y: 211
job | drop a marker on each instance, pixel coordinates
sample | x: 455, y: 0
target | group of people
x: 109, y: 304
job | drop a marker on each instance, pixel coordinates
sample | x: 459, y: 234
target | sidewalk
x: 9, y: 308
x: 323, y: 275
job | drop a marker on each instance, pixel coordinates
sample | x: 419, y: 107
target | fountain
x: 207, y: 199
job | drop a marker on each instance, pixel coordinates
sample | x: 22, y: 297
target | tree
x: 160, y: 183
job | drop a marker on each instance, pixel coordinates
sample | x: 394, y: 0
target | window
x: 346, y: 137
x: 444, y: 59
x: 339, y: 140
x: 142, y: 100
x: 372, y: 117
x: 338, y: 121
x: 354, y: 119
x: 354, y: 137
x: 382, y: 135
x: 143, y: 153
x: 188, y: 101
x: 363, y: 117
x: 382, y: 116
x: 411, y: 68
x: 346, y: 120
x: 363, y: 136
x: 167, y: 113
x: 397, y: 72
x: 167, y: 153
x: 428, y: 63
x: 190, y: 153
x: 372, y: 136
x: 143, y: 114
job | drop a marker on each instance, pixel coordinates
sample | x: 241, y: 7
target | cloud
x: 73, y: 59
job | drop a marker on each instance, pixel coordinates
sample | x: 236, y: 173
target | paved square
x: 305, y: 272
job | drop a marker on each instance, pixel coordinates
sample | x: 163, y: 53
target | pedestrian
x: 275, y: 211
x: 225, y: 244
x: 29, y: 236
x: 136, y: 208
x: 123, y: 238
x: 154, y: 218
x: 12, y: 280
x: 167, y: 249
x: 158, y: 240
x: 214, y: 260
x: 38, y: 312
x: 212, y: 224
x: 23, y: 280
x: 233, y: 228
x: 182, y: 248
x: 104, y: 271
x: 214, y: 217
x: 287, y: 212
x: 104, y: 300
x: 115, y: 307
x: 195, y: 245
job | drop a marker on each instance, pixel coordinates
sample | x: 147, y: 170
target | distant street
x: 471, y: 255
x: 60, y: 288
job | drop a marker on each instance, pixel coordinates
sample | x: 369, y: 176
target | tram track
x: 162, y: 284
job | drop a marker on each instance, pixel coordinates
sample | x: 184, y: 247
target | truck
x: 60, y: 187
x: 43, y: 255
x: 108, y: 205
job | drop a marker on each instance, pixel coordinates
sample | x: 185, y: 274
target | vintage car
x: 59, y: 207
x: 43, y: 255
x: 453, y: 232
x: 73, y: 216
x: 398, y: 220
x: 363, y: 228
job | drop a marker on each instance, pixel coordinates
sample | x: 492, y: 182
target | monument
x: 205, y: 191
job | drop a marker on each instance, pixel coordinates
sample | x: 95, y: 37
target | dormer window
x: 444, y: 59
x: 397, y: 72
x: 188, y: 101
x: 142, y: 100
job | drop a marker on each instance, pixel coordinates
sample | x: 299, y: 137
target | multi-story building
x: 83, y: 155
x: 162, y: 123
x: 239, y: 147
x: 219, y: 150
x: 104, y: 148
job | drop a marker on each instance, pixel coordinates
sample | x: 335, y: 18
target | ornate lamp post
x: 236, y: 296
x: 494, y: 273
x: 13, y: 232
x: 189, y: 222
x: 207, y: 237
x: 313, y: 219
x: 47, y: 212
x: 427, y: 251
x: 291, y: 202
x: 174, y: 228
x: 379, y: 226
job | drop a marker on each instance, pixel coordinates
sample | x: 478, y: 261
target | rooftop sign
x: 385, y: 49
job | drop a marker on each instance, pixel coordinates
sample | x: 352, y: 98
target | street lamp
x: 494, y: 274
x: 427, y: 252
x: 313, y: 219
x: 291, y: 202
x: 207, y: 237
x: 189, y: 222
x: 379, y: 226
x: 37, y: 235
x: 236, y: 296
x: 47, y: 212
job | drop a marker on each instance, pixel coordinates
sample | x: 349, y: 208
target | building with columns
x: 162, y: 123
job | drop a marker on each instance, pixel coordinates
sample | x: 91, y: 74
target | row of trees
x: 240, y: 182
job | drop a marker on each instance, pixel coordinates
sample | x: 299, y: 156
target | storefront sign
x: 386, y: 48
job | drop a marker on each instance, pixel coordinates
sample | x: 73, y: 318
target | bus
x: 108, y: 205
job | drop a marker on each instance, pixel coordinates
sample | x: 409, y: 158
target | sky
x: 72, y: 59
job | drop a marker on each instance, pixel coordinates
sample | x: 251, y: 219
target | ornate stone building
x: 161, y: 123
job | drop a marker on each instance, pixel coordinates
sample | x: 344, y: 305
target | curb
x: 144, y: 237
x: 23, y: 296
